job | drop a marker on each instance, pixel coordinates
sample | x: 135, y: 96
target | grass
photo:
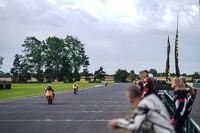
x: 29, y: 90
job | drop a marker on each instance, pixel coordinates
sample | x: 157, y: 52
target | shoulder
x: 149, y: 100
x: 180, y: 94
x: 146, y: 80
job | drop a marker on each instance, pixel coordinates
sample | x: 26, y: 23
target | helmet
x: 48, y: 85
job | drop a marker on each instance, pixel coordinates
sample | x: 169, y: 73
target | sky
x: 118, y: 34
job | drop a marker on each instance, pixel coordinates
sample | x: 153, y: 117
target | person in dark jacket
x: 148, y: 83
x: 190, y: 93
x: 180, y: 104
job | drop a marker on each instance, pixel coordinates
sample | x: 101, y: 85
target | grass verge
x: 29, y: 90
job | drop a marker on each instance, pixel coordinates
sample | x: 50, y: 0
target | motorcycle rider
x: 50, y: 88
x: 75, y: 85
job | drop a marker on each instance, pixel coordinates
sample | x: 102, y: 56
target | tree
x: 1, y: 61
x: 121, y: 75
x: 99, y: 74
x: 184, y: 74
x: 85, y: 69
x: 77, y: 55
x: 132, y: 76
x: 196, y: 75
x: 154, y: 72
x: 20, y: 71
x: 54, y: 58
x: 33, y: 54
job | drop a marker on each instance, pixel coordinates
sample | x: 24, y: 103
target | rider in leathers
x: 50, y: 88
x: 150, y: 116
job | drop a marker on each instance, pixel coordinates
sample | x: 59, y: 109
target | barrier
x: 190, y: 125
x: 196, y: 85
x: 5, y: 86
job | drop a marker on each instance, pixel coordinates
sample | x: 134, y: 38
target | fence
x: 196, y: 85
x: 190, y: 125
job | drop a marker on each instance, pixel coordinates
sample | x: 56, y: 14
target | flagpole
x: 177, y: 18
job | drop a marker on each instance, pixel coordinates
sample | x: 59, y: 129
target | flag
x: 176, y: 54
x: 168, y: 63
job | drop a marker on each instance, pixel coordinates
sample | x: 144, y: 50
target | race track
x: 87, y: 112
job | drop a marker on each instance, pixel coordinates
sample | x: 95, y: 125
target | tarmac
x: 87, y: 112
x: 195, y: 113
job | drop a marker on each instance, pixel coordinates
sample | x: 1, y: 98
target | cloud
x: 130, y: 34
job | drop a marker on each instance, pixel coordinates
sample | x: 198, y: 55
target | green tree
x: 85, y: 69
x: 196, y: 75
x: 20, y: 71
x: 77, y: 55
x: 121, y: 75
x: 132, y: 76
x: 99, y: 74
x: 54, y: 58
x: 154, y: 72
x: 33, y: 54
x: 1, y: 61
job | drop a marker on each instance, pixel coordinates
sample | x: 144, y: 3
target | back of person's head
x: 179, y: 83
x: 139, y: 82
x: 183, y: 79
x: 133, y: 90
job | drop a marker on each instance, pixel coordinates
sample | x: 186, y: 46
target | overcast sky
x: 125, y: 34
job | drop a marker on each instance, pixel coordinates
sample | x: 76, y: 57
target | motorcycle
x: 75, y: 90
x: 49, y: 96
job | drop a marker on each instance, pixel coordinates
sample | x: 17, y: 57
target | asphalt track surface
x: 195, y: 113
x: 87, y: 112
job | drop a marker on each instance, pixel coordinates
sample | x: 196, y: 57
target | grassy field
x: 29, y: 90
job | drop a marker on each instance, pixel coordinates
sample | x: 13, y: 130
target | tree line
x: 61, y: 59
x: 51, y: 59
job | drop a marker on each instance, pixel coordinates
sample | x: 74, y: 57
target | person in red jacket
x: 148, y: 83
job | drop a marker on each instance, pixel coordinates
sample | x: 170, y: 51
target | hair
x: 142, y: 74
x: 179, y: 83
x: 183, y: 79
x: 133, y: 90
x: 146, y: 71
x: 139, y: 82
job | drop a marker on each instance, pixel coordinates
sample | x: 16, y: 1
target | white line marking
x: 66, y: 120
x: 62, y: 111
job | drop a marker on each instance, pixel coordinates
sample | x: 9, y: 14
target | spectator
x: 106, y: 82
x: 180, y: 102
x: 140, y: 84
x: 150, y: 115
x: 149, y: 84
x: 190, y: 94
